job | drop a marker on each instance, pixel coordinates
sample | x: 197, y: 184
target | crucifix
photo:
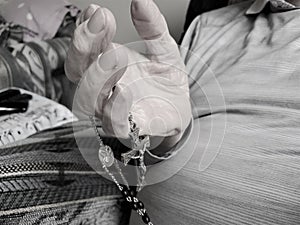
x: 139, y: 147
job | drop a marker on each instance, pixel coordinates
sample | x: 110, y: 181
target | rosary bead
x: 106, y: 156
x: 135, y: 206
x: 125, y: 193
x: 132, y: 193
x: 125, y: 188
x: 129, y: 199
x: 140, y: 205
x: 146, y: 218
x: 140, y: 212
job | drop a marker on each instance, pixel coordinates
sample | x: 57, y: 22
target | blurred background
x: 173, y: 10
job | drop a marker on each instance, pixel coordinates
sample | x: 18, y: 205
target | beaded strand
x: 105, y: 154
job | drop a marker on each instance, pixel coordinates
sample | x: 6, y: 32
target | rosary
x: 140, y: 145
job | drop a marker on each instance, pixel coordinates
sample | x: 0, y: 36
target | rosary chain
x: 128, y: 194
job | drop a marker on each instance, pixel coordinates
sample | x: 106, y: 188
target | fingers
x: 152, y: 27
x: 148, y: 20
x: 90, y: 39
x: 96, y: 85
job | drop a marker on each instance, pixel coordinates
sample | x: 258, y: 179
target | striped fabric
x: 246, y: 164
x: 45, y: 180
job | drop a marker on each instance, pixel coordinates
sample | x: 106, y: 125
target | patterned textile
x: 246, y: 165
x: 9, y: 30
x: 40, y: 16
x: 45, y: 180
x: 36, y: 65
x: 103, y: 210
x: 41, y: 114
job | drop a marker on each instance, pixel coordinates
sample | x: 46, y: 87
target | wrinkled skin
x: 152, y: 86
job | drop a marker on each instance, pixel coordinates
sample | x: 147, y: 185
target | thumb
x: 148, y: 20
x: 152, y: 27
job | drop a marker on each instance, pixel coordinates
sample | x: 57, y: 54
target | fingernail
x: 139, y: 3
x: 96, y: 22
x: 109, y: 60
x: 90, y: 11
x: 141, y: 9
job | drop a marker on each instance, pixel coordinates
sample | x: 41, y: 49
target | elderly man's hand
x: 116, y: 80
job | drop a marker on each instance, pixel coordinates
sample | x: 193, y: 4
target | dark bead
x: 125, y: 193
x: 140, y: 205
x: 146, y: 218
x: 132, y: 193
x: 135, y: 206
